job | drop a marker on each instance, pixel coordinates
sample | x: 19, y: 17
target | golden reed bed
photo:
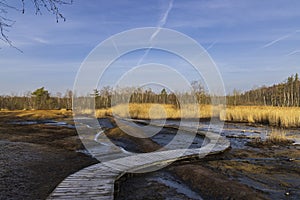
x: 158, y: 111
x: 274, y: 116
x: 285, y: 117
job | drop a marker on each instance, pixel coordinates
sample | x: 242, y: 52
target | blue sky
x: 253, y: 43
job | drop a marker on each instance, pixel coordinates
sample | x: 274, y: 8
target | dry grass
x: 286, y: 117
x: 274, y: 116
x: 36, y: 114
x: 159, y: 111
x: 275, y: 137
x: 278, y: 137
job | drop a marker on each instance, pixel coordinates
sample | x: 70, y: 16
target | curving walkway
x: 97, y: 181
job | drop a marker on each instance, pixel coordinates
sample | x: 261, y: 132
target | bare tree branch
x: 51, y: 6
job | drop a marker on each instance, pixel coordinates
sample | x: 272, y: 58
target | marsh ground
x: 249, y: 170
x: 235, y: 174
x: 35, y: 157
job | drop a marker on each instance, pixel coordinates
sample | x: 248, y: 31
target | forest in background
x: 285, y: 94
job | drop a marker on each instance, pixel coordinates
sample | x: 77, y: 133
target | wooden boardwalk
x: 97, y: 181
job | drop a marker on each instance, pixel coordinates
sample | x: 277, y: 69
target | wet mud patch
x: 36, y: 157
x: 161, y: 184
x: 32, y: 171
x: 273, y: 171
x: 170, y: 136
x: 162, y: 138
x: 130, y: 143
x: 243, y: 172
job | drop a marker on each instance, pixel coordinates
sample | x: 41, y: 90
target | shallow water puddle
x: 45, y: 122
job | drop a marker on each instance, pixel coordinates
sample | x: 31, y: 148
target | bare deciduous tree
x: 6, y: 23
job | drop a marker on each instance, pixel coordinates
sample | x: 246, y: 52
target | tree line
x: 103, y: 98
x: 286, y: 93
x: 40, y: 99
x: 108, y: 97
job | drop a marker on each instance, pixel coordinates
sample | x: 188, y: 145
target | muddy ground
x: 235, y: 174
x: 34, y: 158
x: 248, y: 170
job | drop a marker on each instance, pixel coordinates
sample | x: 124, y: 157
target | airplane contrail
x: 160, y: 24
x: 211, y: 45
x: 163, y: 20
x: 293, y: 52
x: 277, y: 40
x: 115, y: 46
